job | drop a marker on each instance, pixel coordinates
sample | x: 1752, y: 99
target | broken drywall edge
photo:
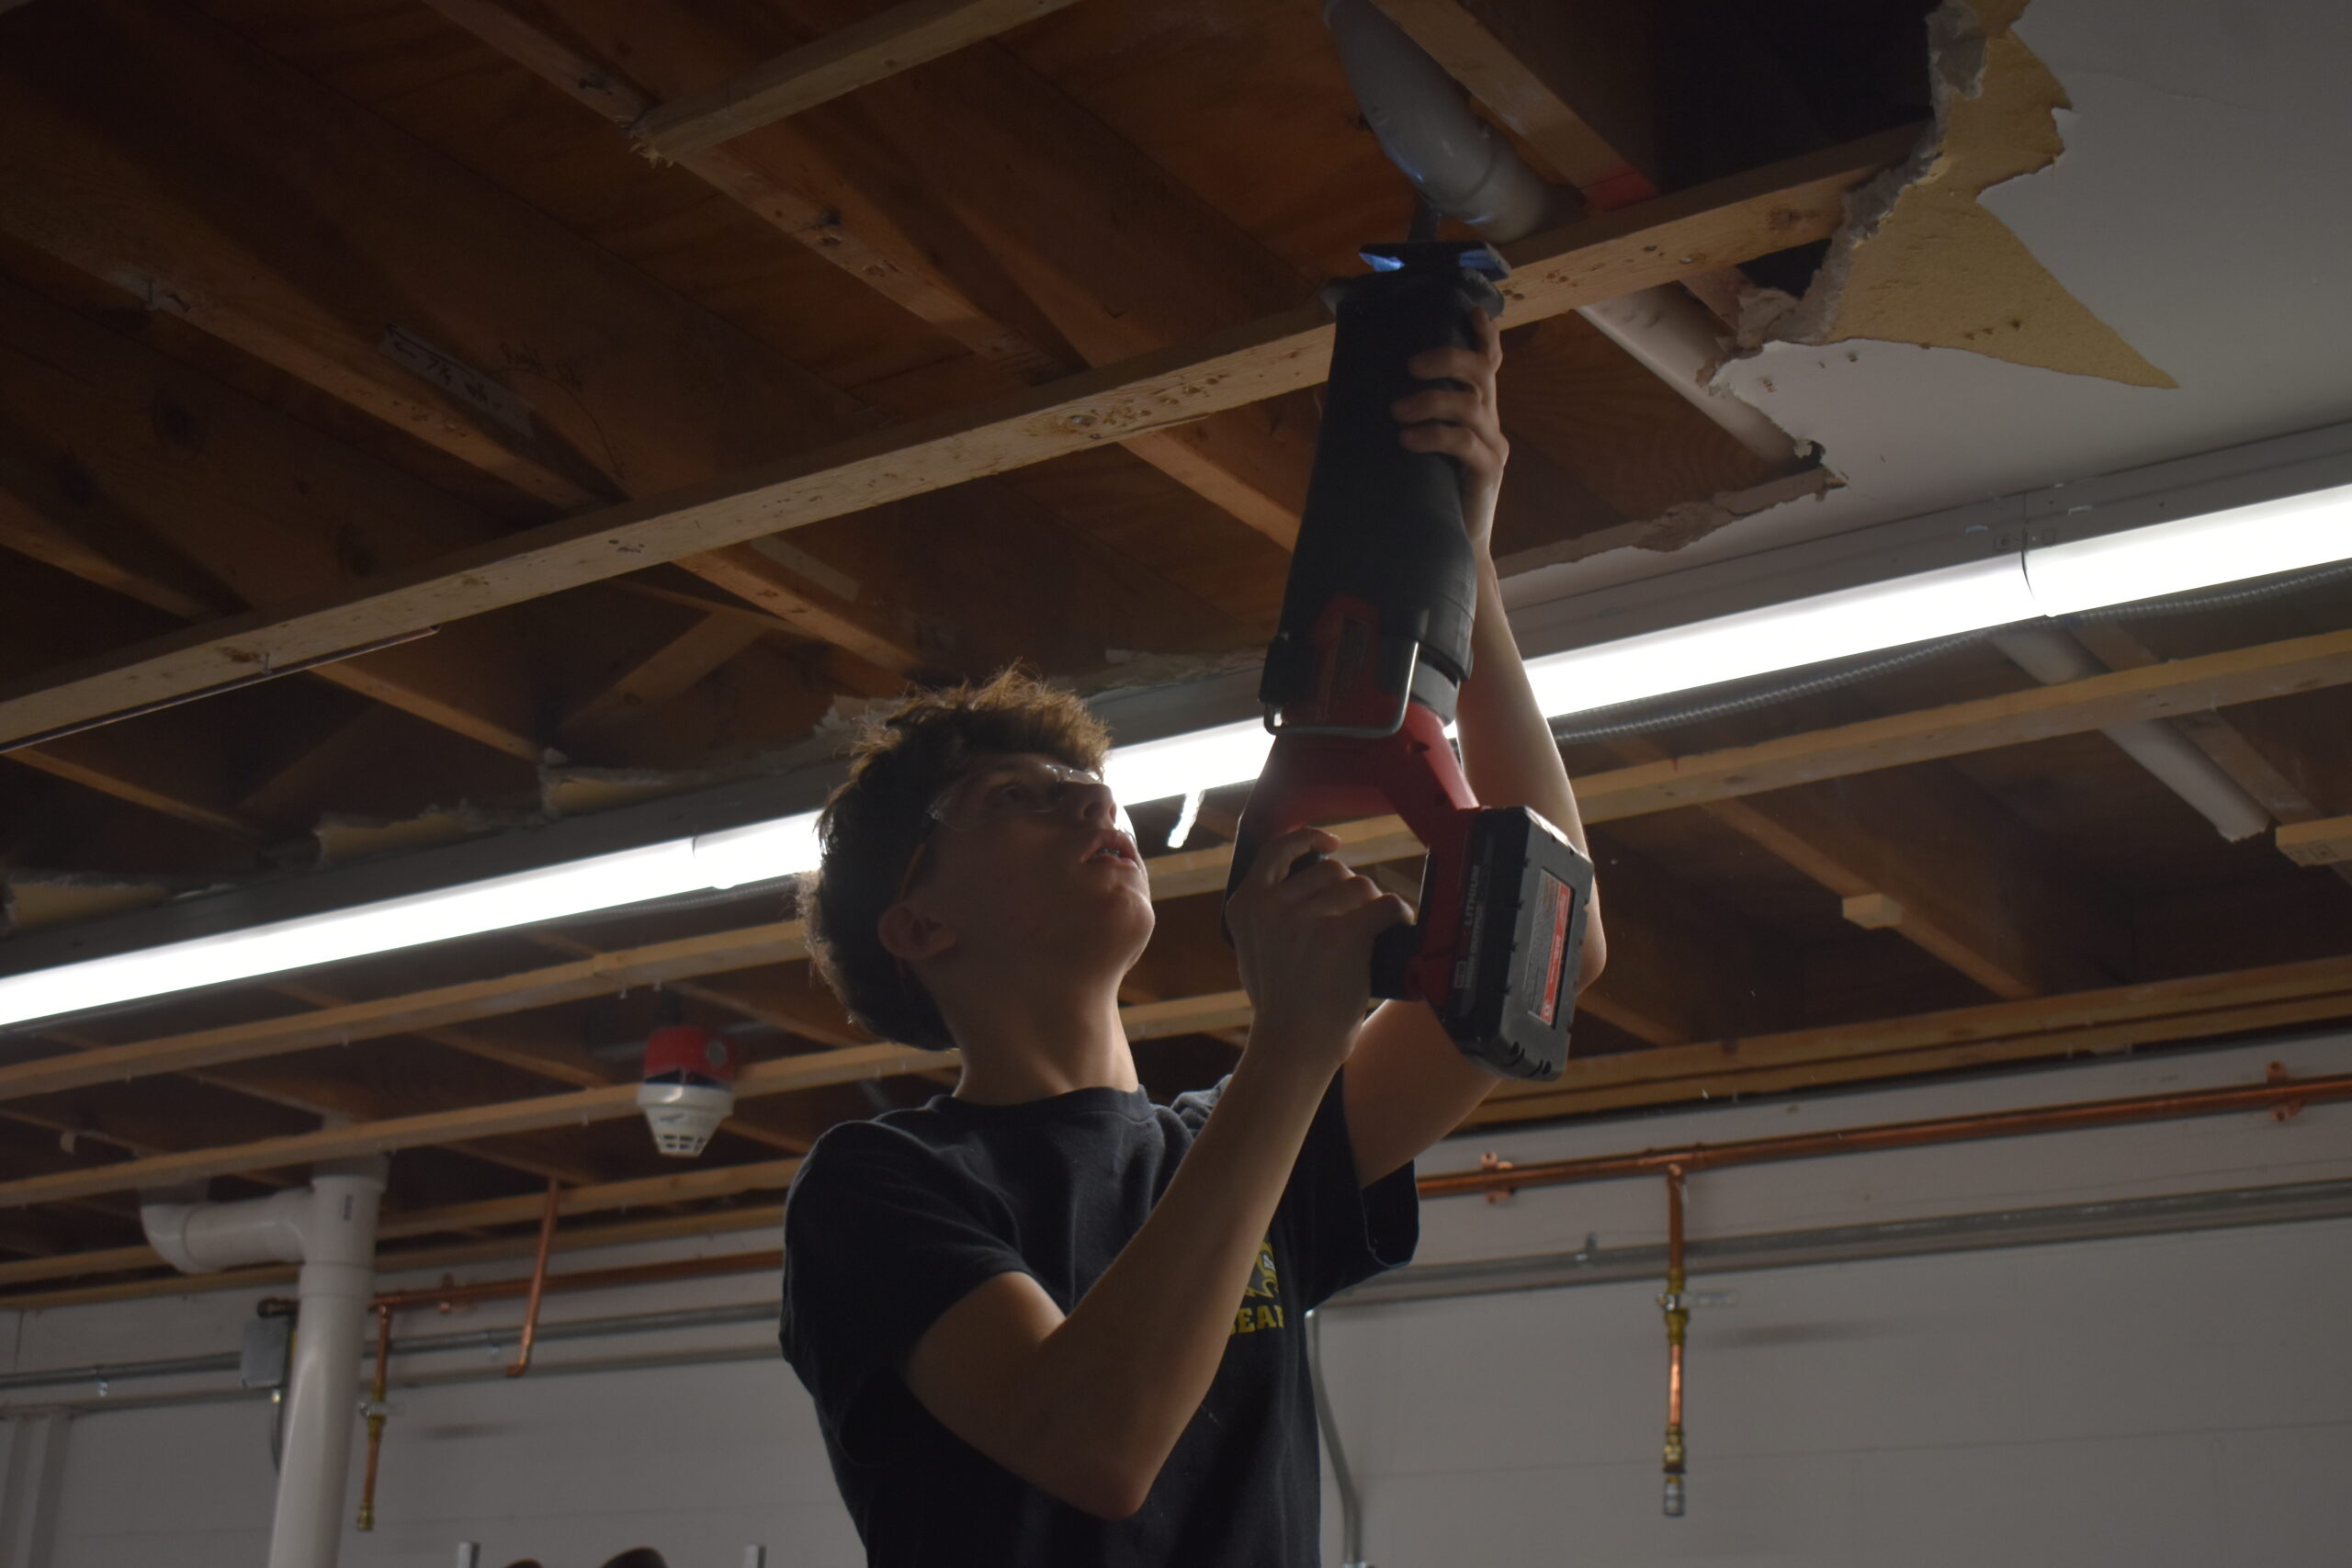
x: 1677, y: 527
x: 342, y: 837
x: 1920, y: 260
x: 32, y: 898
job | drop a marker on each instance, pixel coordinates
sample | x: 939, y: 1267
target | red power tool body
x: 1362, y: 674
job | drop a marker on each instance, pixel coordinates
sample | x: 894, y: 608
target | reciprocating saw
x: 1362, y: 678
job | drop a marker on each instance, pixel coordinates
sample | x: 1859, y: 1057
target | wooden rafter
x: 2267, y: 759
x: 2196, y: 1007
x: 1596, y: 259
x: 1956, y: 874
x: 204, y: 476
x: 579, y: 1108
x: 881, y: 45
x: 592, y: 381
x: 415, y: 1012
x: 2079, y: 1023
x: 921, y: 254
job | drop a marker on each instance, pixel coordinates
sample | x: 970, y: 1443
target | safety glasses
x: 1001, y: 791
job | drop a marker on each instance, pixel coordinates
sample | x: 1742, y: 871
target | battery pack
x: 1519, y: 946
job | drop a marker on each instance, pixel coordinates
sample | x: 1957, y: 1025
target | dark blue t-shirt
x: 893, y: 1220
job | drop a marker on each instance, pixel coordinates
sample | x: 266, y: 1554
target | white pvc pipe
x: 2050, y: 656
x: 328, y: 1227
x: 323, y: 1393
x: 199, y: 1238
x: 1425, y: 126
x: 1455, y: 159
x: 1678, y: 340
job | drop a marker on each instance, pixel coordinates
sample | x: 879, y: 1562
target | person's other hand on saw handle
x: 1302, y: 935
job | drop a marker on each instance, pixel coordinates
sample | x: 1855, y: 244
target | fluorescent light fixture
x: 1784, y: 636
x: 2261, y: 540
x: 732, y: 856
x: 602, y: 881
x: 1154, y: 769
x: 2163, y: 559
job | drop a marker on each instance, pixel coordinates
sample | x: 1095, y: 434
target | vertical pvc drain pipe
x: 330, y: 1228
x: 322, y: 1395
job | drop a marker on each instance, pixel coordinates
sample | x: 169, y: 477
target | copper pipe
x: 538, y: 1280
x: 1676, y: 1306
x: 376, y: 1393
x: 2281, y: 1091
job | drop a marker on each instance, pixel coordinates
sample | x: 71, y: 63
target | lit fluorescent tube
x: 1181, y: 764
x: 470, y: 909
x: 762, y: 851
x: 2290, y: 534
x: 1784, y: 636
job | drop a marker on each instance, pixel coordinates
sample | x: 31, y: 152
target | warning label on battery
x: 1548, y: 926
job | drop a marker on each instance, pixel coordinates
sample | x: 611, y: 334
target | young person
x: 1045, y: 1320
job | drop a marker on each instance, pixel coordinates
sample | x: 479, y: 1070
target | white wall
x: 2178, y: 1399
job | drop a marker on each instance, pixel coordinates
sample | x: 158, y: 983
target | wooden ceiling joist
x: 701, y: 1183
x: 225, y: 491
x: 2272, y: 762
x: 2197, y: 1006
x: 778, y: 1076
x: 322, y: 331
x: 589, y: 380
x: 407, y: 1014
x: 841, y: 62
x: 2086, y: 1022
x: 1595, y: 259
x: 918, y: 248
x: 312, y: 1094
x: 1680, y: 967
x: 1971, y: 885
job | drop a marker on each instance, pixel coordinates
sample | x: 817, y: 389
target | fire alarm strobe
x: 689, y: 1085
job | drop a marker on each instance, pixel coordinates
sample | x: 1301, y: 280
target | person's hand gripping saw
x: 1302, y: 930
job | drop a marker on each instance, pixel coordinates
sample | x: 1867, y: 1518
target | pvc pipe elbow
x: 1678, y: 341
x: 332, y: 1221
x: 1426, y: 127
x: 202, y: 1238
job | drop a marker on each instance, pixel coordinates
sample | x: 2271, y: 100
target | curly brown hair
x: 872, y: 824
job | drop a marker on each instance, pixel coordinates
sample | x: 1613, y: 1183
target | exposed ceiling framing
x: 567, y: 405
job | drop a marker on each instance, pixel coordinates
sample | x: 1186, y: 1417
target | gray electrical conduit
x: 1351, y: 1505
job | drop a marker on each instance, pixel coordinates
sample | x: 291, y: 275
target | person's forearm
x: 1124, y: 1372
x: 1508, y: 753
